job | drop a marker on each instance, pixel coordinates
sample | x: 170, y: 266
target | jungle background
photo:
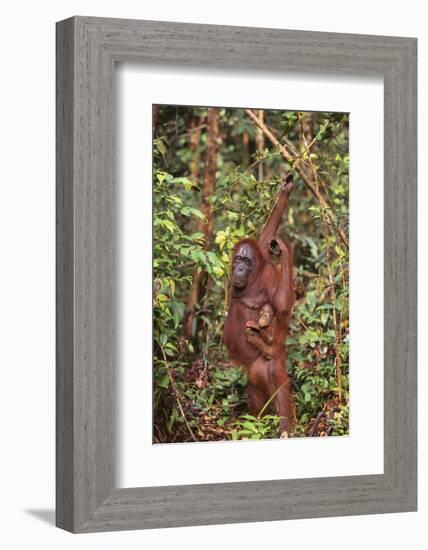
x: 216, y: 174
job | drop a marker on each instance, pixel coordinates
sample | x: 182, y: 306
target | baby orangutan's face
x: 265, y: 316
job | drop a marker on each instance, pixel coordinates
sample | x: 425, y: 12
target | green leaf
x: 197, y: 213
x: 218, y: 271
x: 164, y: 381
x: 170, y: 226
x: 249, y: 426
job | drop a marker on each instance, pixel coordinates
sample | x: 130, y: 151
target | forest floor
x: 214, y: 404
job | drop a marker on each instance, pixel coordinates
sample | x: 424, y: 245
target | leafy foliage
x: 198, y: 394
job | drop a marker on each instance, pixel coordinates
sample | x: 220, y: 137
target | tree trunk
x: 260, y: 144
x: 155, y: 120
x: 245, y: 150
x: 198, y: 289
x: 194, y: 142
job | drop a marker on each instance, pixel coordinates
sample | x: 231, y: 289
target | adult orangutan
x: 262, y: 273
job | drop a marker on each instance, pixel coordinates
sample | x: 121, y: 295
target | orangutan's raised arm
x: 271, y: 227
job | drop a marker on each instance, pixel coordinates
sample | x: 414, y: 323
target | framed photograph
x: 236, y: 274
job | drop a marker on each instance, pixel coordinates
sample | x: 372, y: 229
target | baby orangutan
x: 265, y: 329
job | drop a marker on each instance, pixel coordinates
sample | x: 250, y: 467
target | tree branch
x: 297, y: 165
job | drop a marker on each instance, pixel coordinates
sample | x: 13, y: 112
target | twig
x: 330, y: 274
x: 315, y: 425
x: 275, y: 393
x: 192, y: 130
x: 176, y: 394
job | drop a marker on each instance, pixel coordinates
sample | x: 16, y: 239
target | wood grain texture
x: 64, y: 277
x: 87, y: 49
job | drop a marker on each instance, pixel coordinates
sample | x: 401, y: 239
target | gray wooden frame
x: 87, y: 50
